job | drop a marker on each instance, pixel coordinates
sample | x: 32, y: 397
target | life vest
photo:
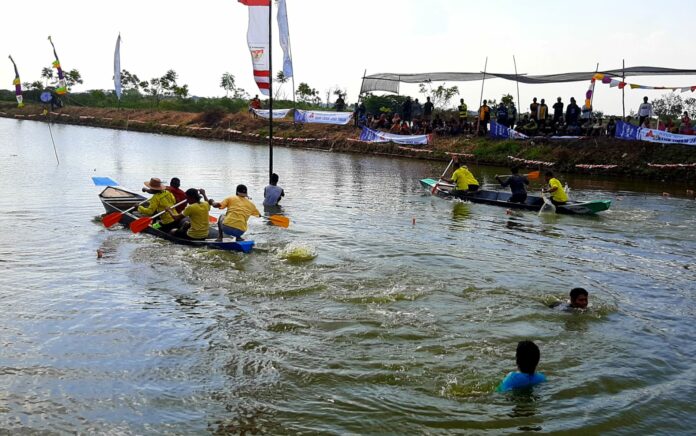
x: 463, y: 110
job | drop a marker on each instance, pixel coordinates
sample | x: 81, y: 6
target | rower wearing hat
x: 161, y: 199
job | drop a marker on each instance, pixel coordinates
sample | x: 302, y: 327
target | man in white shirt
x: 645, y: 111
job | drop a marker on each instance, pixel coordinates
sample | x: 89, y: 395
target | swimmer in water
x: 527, y: 357
x: 579, y: 299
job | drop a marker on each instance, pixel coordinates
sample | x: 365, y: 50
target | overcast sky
x: 334, y: 41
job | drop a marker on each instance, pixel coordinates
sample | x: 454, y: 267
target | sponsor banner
x: 369, y: 135
x: 652, y: 135
x: 626, y: 131
x: 117, y: 67
x: 502, y: 132
x: 284, y: 32
x: 277, y: 113
x: 323, y: 117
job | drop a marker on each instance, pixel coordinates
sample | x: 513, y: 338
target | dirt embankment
x: 594, y: 155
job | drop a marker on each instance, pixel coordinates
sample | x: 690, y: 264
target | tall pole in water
x: 478, y: 121
x: 270, y: 91
x: 623, y: 89
x: 519, y: 108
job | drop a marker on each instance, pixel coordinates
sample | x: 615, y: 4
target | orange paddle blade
x: 534, y: 175
x: 112, y: 218
x: 140, y: 224
x: 279, y: 220
x: 212, y: 219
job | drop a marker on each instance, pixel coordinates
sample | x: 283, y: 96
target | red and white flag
x: 257, y: 38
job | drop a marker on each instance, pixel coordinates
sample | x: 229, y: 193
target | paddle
x: 532, y: 175
x: 279, y: 220
x: 141, y: 224
x: 443, y: 175
x: 551, y: 207
x: 115, y: 217
x: 212, y: 219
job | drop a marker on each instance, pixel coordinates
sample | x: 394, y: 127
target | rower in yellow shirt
x: 193, y: 222
x: 558, y: 194
x: 239, y: 209
x: 159, y: 202
x: 463, y: 179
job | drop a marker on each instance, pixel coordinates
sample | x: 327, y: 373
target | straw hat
x: 155, y: 184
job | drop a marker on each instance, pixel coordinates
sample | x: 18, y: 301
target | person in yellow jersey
x: 159, y: 202
x: 193, y: 221
x: 554, y: 187
x: 239, y: 209
x: 463, y: 179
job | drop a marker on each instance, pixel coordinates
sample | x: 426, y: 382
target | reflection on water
x: 379, y: 310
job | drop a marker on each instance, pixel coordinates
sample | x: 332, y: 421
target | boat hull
x: 118, y: 200
x: 499, y: 198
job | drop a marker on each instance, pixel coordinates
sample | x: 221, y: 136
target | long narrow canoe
x: 499, y: 198
x: 118, y: 200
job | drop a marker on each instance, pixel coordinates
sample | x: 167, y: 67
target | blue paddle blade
x: 104, y: 181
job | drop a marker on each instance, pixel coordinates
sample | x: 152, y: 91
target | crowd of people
x: 415, y: 118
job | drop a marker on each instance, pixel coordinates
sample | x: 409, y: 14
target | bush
x: 212, y: 117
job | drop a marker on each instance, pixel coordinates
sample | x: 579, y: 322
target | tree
x: 72, y: 78
x: 33, y: 86
x: 281, y: 79
x: 507, y: 99
x: 690, y: 105
x: 131, y: 81
x: 440, y: 96
x: 306, y: 93
x: 227, y: 83
x: 165, y: 86
x: 669, y: 105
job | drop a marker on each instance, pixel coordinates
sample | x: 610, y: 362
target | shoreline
x: 591, y: 156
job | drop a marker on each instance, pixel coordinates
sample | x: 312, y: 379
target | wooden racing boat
x: 500, y: 198
x: 119, y: 200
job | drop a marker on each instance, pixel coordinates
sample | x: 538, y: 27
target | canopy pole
x: 270, y: 92
x: 623, y: 89
x: 483, y: 81
x: 519, y: 108
x: 356, y: 121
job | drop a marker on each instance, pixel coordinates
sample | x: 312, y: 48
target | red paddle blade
x: 534, y: 175
x: 140, y: 224
x: 112, y: 218
x: 279, y: 220
x: 212, y: 219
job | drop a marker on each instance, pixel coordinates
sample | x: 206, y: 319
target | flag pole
x: 478, y: 121
x: 519, y: 108
x: 270, y: 91
x: 623, y: 90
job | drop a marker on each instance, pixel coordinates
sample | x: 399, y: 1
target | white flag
x: 257, y: 39
x: 117, y: 67
x: 284, y: 32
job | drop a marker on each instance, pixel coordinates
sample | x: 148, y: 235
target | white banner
x: 323, y: 117
x: 277, y: 113
x: 117, y: 67
x: 284, y: 32
x: 652, y: 135
x: 257, y: 39
x: 370, y: 135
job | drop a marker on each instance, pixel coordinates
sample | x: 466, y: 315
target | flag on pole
x: 117, y: 67
x: 62, y: 87
x: 284, y: 32
x: 18, y: 85
x: 257, y: 39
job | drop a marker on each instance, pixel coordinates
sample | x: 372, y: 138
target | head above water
x: 241, y: 190
x: 527, y: 357
x: 579, y: 298
x: 515, y: 170
x: 175, y: 182
x: 274, y: 179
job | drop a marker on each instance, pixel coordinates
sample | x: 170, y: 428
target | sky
x: 334, y: 42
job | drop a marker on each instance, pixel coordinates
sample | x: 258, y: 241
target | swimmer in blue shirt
x: 527, y: 357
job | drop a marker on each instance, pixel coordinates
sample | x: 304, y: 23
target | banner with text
x: 626, y: 131
x: 631, y: 132
x: 370, y: 135
x: 502, y: 132
x: 323, y: 117
x: 277, y: 113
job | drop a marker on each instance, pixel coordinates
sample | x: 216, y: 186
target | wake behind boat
x: 119, y: 200
x: 499, y: 198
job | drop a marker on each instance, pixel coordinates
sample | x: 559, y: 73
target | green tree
x: 227, y: 83
x: 307, y: 94
x: 72, y: 78
x: 47, y: 73
x: 131, y: 81
x: 281, y: 79
x: 507, y: 99
x: 440, y: 96
x: 669, y: 105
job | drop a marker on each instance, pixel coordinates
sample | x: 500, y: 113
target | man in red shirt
x: 179, y: 195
